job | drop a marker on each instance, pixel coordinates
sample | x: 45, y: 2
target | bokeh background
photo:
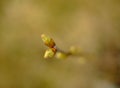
x: 91, y: 25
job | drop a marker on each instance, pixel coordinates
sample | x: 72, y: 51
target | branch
x: 53, y: 50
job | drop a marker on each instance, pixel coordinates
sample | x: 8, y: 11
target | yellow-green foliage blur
x: 91, y: 25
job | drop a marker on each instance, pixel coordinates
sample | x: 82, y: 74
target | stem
x: 66, y: 53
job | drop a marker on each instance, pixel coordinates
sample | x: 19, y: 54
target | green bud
x: 49, y: 53
x: 74, y: 50
x: 60, y: 55
x: 48, y: 41
x: 82, y: 60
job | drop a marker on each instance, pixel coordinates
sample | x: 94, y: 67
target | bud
x: 48, y: 41
x: 49, y: 53
x: 74, y: 50
x: 61, y: 55
x: 82, y: 60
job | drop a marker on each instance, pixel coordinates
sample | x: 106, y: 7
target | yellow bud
x: 82, y: 60
x: 48, y: 41
x: 60, y: 55
x: 49, y: 53
x: 74, y: 50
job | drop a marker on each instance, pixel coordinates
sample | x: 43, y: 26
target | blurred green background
x: 91, y: 25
